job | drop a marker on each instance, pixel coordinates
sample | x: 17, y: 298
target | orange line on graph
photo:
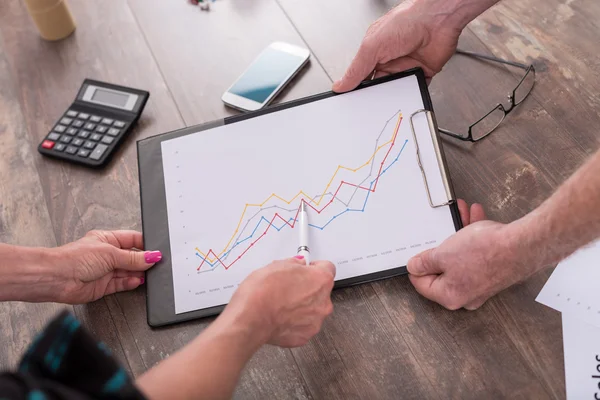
x: 301, y: 192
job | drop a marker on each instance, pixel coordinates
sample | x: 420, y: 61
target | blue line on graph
x: 311, y: 225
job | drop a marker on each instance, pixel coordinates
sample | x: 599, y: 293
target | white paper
x: 582, y: 358
x: 574, y: 286
x: 218, y: 182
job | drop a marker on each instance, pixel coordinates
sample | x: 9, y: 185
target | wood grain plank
x: 360, y: 354
x: 24, y: 218
x: 202, y: 53
x: 246, y: 35
x: 384, y: 340
x: 564, y: 34
x: 460, y: 350
x: 511, y: 172
x: 334, y: 29
x: 107, y: 46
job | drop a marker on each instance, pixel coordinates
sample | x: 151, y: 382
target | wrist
x: 452, y: 14
x: 527, y: 239
x: 26, y: 274
x: 246, y: 323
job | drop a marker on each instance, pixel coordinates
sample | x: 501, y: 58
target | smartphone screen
x: 265, y: 74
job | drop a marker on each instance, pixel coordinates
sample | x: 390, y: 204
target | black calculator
x: 98, y: 121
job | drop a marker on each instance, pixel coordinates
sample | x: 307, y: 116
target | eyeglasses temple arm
x: 450, y: 133
x: 491, y: 58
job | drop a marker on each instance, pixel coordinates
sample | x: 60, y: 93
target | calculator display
x: 110, y: 97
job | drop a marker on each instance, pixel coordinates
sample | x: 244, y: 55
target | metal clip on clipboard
x: 431, y: 123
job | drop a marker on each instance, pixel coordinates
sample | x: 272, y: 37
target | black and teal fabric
x: 65, y: 362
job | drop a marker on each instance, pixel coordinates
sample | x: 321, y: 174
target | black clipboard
x: 160, y: 300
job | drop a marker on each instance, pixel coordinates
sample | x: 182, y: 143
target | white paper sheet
x: 582, y: 358
x: 233, y: 191
x: 574, y: 286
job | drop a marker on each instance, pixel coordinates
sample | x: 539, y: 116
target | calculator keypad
x: 83, y: 134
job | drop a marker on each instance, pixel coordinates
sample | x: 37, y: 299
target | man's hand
x: 285, y: 302
x: 471, y: 266
x: 413, y: 34
x: 100, y: 263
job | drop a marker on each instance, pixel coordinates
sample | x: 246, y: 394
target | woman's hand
x: 100, y: 263
x: 284, y: 303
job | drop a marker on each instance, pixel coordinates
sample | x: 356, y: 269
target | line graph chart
x: 233, y: 192
x: 312, y: 202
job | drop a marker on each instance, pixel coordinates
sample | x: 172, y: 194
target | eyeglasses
x: 490, y: 121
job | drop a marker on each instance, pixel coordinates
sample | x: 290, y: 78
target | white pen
x: 303, y: 249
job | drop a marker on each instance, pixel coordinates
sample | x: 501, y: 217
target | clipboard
x: 160, y: 298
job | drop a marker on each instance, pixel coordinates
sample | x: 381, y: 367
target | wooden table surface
x: 384, y: 340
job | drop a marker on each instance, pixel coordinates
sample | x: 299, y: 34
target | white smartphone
x: 266, y: 76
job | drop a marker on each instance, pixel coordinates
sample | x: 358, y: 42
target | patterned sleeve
x: 65, y: 362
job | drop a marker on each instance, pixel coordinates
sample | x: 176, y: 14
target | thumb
x: 131, y: 260
x: 362, y: 65
x: 424, y: 264
x: 429, y: 286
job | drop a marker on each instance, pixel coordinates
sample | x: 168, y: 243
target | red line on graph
x: 291, y: 225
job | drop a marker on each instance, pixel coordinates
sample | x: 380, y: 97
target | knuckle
x: 112, y: 256
x: 313, y: 330
x: 453, y: 301
x: 95, y: 233
x: 325, y: 280
x: 132, y: 258
x: 451, y: 305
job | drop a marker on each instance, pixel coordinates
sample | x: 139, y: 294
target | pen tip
x: 302, y: 206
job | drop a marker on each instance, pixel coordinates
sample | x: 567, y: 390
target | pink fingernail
x: 299, y: 257
x: 142, y: 280
x: 152, y: 257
